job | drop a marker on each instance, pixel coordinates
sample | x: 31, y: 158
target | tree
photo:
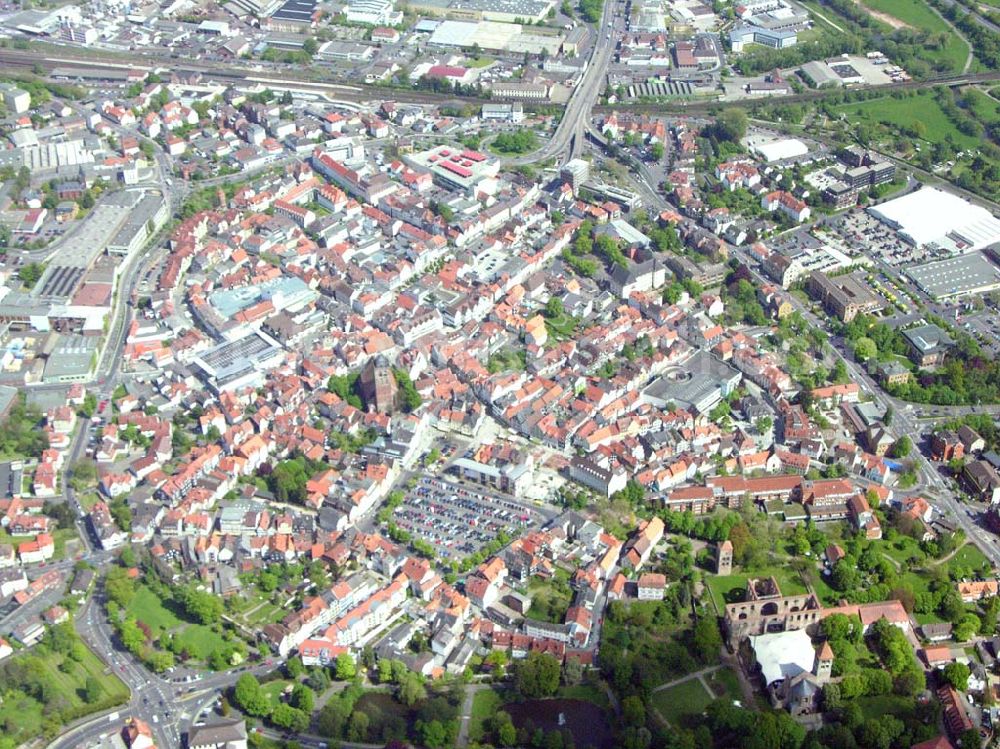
x: 740, y: 538
x: 865, y: 349
x: 504, y: 728
x: 845, y: 575
x: 345, y: 669
x: 537, y: 676
x: 303, y: 698
x: 432, y: 734
x: 411, y: 690
x: 706, y: 639
x: 634, y: 711
x: 83, y: 475
x: 30, y: 274
x: 554, y: 308
x: 409, y: 398
x: 839, y: 374
x: 250, y: 698
x: 573, y: 670
x: 730, y: 125
x: 966, y: 628
x: 957, y: 674
x: 288, y: 717
x: 902, y: 447
x: 310, y: 47
x: 521, y: 141
x: 656, y: 151
x: 92, y: 690
x: 119, y: 586
x: 203, y: 606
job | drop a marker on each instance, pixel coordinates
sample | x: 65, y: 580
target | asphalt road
x: 153, y: 696
x: 568, y: 139
x: 930, y: 484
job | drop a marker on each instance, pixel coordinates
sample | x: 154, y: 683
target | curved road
x: 569, y: 133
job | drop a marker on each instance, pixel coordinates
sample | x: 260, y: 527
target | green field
x: 919, y: 15
x: 885, y: 704
x: 585, y: 692
x: 23, y: 718
x: 273, y: 690
x: 729, y: 588
x: 901, y: 549
x: 147, y: 608
x: 200, y: 641
x: 562, y: 327
x: 685, y: 699
x: 827, y: 595
x: 906, y: 113
x: 968, y: 557
x: 485, y: 704
x: 725, y: 684
x: 550, y: 599
x: 984, y: 108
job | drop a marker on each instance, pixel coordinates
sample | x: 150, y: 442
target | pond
x: 585, y: 720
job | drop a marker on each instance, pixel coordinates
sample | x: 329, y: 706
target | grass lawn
x: 147, y: 608
x: 269, y: 613
x: 885, y: 704
x: 21, y: 717
x: 684, y: 699
x: 918, y: 582
x: 6, y: 538
x: 730, y: 588
x: 200, y: 641
x: 920, y: 15
x: 482, y: 62
x: 273, y: 689
x: 905, y: 113
x: 550, y: 599
x: 87, y: 500
x: 561, y: 327
x: 901, y: 549
x: 60, y: 539
x: 587, y: 693
x: 968, y: 557
x: 725, y: 683
x: 827, y: 595
x: 485, y: 704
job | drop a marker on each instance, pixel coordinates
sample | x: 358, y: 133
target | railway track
x: 32, y: 60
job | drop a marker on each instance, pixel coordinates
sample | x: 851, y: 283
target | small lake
x: 586, y: 721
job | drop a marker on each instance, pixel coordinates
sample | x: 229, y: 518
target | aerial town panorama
x: 453, y: 374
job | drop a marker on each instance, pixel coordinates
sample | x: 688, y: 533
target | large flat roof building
x: 239, y: 363
x: 698, y: 383
x: 929, y: 216
x: 959, y: 276
x: 485, y: 10
x: 459, y: 168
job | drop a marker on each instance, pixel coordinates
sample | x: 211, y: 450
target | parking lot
x: 859, y: 230
x: 458, y: 519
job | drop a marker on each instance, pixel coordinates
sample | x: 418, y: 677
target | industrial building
x: 955, y: 277
x: 239, y: 363
x: 459, y: 169
x: 509, y: 11
x: 930, y: 216
x: 699, y: 385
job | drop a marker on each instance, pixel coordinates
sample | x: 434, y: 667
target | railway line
x: 224, y: 72
x: 31, y: 61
